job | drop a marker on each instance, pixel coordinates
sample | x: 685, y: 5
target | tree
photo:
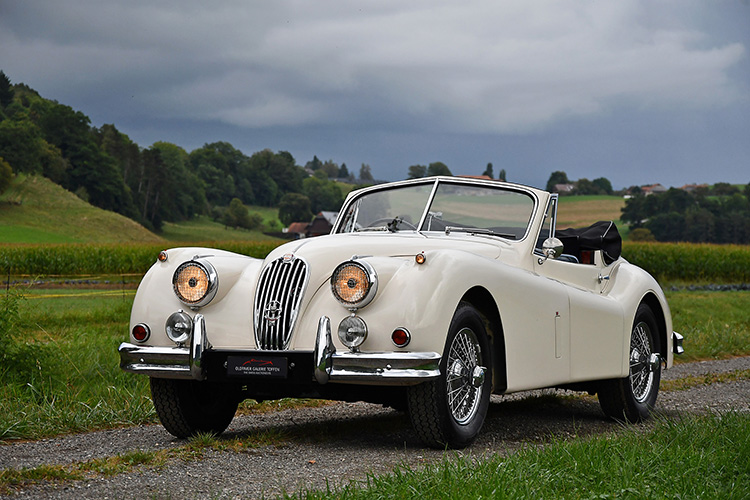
x: 365, y: 173
x: 323, y: 194
x: 237, y: 215
x: 6, y: 175
x: 294, y: 207
x: 438, y: 168
x: 501, y: 176
x: 343, y: 172
x: 557, y: 177
x: 488, y: 171
x: 603, y: 185
x: 331, y: 169
x: 6, y: 90
x: 417, y: 171
x: 21, y: 145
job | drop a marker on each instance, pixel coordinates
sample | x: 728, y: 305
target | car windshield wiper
x: 478, y: 230
x: 391, y: 226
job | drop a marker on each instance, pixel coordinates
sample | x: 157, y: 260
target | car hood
x: 324, y: 253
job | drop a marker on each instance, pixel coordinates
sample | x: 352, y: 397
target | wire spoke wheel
x: 632, y: 398
x: 464, y: 357
x: 641, y: 373
x: 449, y: 411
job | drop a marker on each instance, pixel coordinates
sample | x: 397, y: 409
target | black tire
x: 632, y: 399
x: 187, y: 407
x: 466, y: 371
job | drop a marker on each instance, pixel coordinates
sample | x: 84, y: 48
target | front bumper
x: 371, y: 368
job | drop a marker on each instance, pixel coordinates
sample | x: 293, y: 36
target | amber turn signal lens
x: 420, y: 258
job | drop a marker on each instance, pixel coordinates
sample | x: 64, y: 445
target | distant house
x: 298, y: 229
x: 563, y: 188
x: 481, y: 177
x: 653, y: 189
x: 692, y: 187
x: 321, y: 224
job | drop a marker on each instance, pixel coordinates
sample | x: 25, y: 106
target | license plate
x: 257, y: 366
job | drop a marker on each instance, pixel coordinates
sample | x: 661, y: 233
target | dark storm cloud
x: 395, y: 83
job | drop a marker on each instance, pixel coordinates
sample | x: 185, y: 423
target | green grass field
x: 34, y: 210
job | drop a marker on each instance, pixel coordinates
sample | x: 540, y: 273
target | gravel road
x: 340, y: 443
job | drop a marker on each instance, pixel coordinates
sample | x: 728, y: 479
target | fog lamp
x: 179, y: 327
x: 352, y: 331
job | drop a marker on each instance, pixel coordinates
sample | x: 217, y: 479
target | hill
x: 36, y: 210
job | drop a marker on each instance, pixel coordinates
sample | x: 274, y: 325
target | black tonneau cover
x: 602, y: 235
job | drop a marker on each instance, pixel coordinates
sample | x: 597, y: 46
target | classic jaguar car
x: 428, y: 295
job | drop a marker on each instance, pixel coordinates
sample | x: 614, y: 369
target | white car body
x: 549, y: 322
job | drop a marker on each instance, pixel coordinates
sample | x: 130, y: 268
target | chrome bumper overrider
x: 376, y: 368
x: 677, y: 343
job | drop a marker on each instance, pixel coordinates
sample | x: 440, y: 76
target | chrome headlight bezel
x: 354, y: 283
x: 207, y: 278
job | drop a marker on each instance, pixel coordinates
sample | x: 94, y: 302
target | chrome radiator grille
x: 277, y: 301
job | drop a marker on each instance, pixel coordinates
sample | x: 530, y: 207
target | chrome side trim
x: 374, y: 368
x: 677, y: 343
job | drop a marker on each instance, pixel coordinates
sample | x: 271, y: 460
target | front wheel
x: 187, y: 407
x: 633, y: 398
x: 450, y: 410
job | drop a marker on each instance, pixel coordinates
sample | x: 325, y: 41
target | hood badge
x: 272, y: 312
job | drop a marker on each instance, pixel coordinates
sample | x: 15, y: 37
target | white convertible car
x: 429, y: 294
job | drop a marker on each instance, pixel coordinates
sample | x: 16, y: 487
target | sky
x: 637, y: 91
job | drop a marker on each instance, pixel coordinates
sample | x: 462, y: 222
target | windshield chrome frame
x: 354, y: 197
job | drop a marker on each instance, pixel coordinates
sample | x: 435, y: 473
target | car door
x: 595, y: 319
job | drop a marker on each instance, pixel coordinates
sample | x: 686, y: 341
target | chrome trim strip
x: 375, y: 368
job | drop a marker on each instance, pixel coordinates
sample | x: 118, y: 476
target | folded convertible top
x: 602, y: 235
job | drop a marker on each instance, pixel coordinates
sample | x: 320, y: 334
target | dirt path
x: 339, y: 443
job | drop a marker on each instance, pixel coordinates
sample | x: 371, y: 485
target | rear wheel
x: 633, y: 398
x: 450, y: 410
x: 187, y: 407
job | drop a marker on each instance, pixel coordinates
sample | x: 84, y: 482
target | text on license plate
x: 257, y: 366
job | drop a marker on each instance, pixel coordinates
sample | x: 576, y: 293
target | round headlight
x: 179, y: 327
x: 195, y: 283
x: 352, y: 331
x: 354, y: 283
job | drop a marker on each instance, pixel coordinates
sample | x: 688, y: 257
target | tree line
x: 719, y: 214
x: 160, y: 183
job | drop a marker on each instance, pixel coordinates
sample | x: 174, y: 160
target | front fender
x: 229, y: 314
x: 421, y: 298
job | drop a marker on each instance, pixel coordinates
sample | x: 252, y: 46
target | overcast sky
x: 638, y: 91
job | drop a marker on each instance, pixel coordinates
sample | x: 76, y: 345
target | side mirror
x: 552, y: 248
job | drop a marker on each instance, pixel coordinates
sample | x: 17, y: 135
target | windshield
x: 476, y: 209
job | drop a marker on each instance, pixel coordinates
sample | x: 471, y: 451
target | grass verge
x: 696, y: 457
